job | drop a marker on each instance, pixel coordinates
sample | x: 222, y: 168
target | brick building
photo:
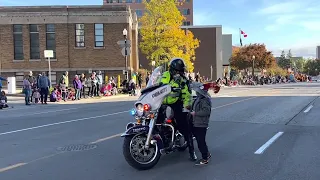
x: 208, y: 55
x: 186, y: 8
x: 83, y: 38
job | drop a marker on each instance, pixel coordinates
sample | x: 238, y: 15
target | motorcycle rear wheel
x: 133, y: 150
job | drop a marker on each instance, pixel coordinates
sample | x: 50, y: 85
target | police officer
x: 179, y: 100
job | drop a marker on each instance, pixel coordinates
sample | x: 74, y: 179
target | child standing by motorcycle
x: 201, y: 111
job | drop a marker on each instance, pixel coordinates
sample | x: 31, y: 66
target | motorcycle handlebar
x: 176, y: 89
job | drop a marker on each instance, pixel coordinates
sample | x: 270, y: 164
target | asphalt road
x: 259, y: 133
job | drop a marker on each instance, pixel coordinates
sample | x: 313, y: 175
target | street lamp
x: 211, y: 72
x: 153, y: 64
x: 253, y: 58
x: 125, y: 33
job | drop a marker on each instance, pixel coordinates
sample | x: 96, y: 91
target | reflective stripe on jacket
x: 173, y: 97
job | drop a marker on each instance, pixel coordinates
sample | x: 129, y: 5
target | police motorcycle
x: 154, y: 133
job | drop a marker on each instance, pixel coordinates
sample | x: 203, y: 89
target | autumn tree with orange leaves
x: 252, y: 56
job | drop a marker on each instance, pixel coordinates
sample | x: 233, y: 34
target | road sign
x: 123, y: 44
x: 48, y: 53
x: 123, y: 51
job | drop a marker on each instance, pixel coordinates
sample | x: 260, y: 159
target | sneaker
x: 202, y: 162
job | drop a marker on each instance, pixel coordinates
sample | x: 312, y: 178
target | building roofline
x: 57, y: 7
x: 62, y: 6
x: 202, y: 26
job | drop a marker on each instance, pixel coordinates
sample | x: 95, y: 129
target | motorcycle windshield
x: 155, y: 77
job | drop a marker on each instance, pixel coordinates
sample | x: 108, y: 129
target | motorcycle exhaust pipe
x: 130, y: 125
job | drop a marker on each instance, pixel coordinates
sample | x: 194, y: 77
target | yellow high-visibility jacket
x: 173, y: 97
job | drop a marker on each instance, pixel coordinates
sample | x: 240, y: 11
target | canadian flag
x: 243, y: 33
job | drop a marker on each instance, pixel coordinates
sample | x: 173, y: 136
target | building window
x: 18, y: 42
x: 139, y: 12
x: 187, y: 1
x: 51, y: 39
x: 109, y: 1
x: 128, y: 1
x: 34, y: 41
x: 138, y: 1
x: 80, y: 35
x: 186, y: 11
x: 186, y: 23
x: 119, y: 1
x: 98, y: 33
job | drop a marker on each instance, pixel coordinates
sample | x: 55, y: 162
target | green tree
x: 312, y: 67
x: 289, y: 54
x: 161, y: 35
x: 283, y: 61
x: 276, y: 70
x: 289, y: 58
x: 300, y: 64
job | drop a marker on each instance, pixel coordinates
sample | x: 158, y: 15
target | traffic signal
x: 126, y: 75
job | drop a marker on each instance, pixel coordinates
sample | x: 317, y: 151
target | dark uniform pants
x: 183, y: 123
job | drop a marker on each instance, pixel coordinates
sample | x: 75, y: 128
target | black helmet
x: 177, y: 65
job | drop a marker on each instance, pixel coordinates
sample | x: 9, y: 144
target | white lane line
x: 58, y: 123
x: 12, y: 167
x: 106, y: 138
x: 308, y: 109
x: 268, y: 143
x: 233, y: 103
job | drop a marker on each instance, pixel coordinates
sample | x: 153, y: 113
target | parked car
x: 314, y: 79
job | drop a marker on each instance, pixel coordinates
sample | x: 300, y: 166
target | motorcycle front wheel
x: 138, y: 157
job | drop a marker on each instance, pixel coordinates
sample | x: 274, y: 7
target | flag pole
x: 240, y: 37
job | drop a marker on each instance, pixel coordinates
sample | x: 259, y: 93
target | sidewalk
x: 18, y: 94
x: 18, y: 99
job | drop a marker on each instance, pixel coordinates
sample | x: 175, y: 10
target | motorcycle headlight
x: 139, y: 108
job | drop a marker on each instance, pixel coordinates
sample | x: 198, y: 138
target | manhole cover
x: 79, y: 147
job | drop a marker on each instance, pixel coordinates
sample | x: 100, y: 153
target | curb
x: 15, y: 95
x: 120, y: 95
x: 112, y: 97
x: 96, y: 99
